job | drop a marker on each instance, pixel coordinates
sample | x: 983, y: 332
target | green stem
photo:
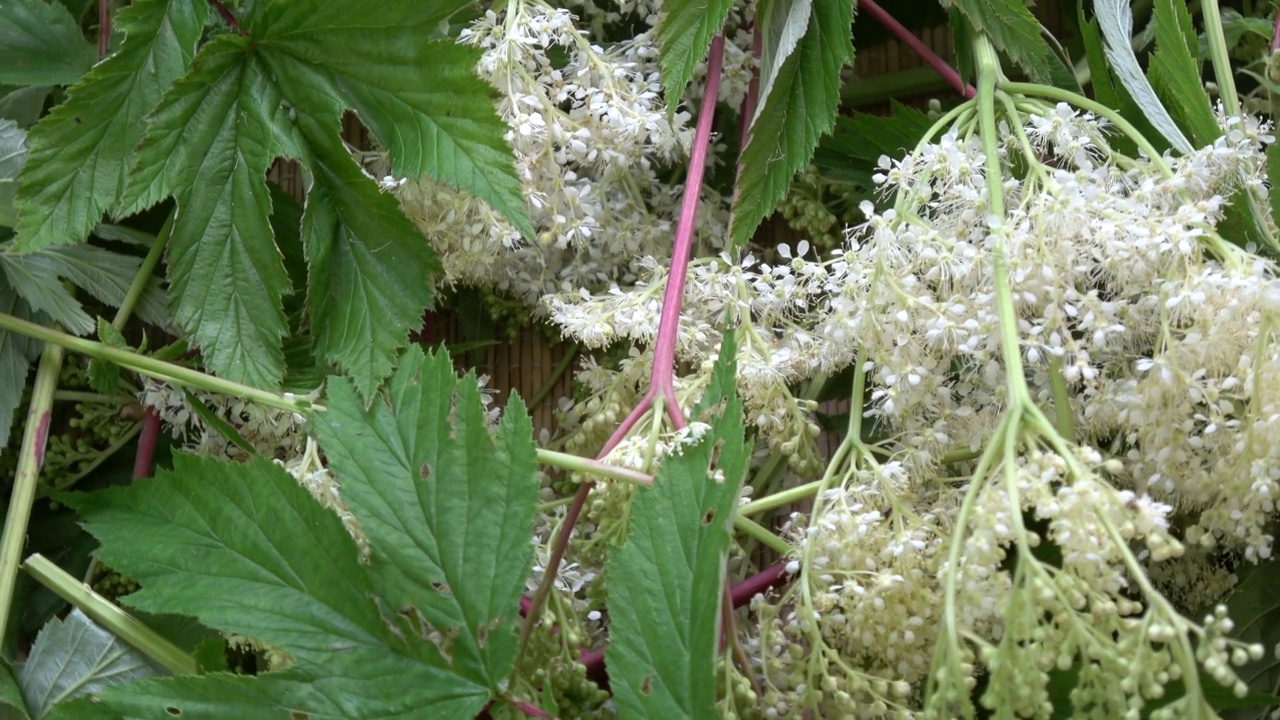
x: 1102, y: 111
x: 109, y: 615
x: 755, y: 530
x: 26, y: 479
x: 778, y: 499
x: 988, y: 76
x: 1064, y: 416
x: 575, y: 463
x: 1222, y: 70
x: 159, y: 369
x: 145, y: 271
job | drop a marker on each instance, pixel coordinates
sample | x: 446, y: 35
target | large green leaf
x: 363, y: 295
x: 426, y: 629
x: 666, y: 580
x: 75, y: 657
x: 13, y: 152
x: 447, y: 508
x: 281, y: 89
x: 210, y: 144
x: 800, y: 108
x: 81, y: 151
x: 685, y: 31
x: 1012, y: 28
x: 41, y: 44
x: 1175, y: 74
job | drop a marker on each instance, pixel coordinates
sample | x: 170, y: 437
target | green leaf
x: 666, y: 580
x: 13, y: 152
x: 209, y: 143
x: 868, y: 137
x: 370, y: 268
x: 24, y: 105
x: 1013, y: 29
x: 38, y: 278
x: 442, y: 124
x: 80, y: 152
x: 425, y: 629
x: 1273, y: 179
x: 1175, y: 74
x: 75, y: 657
x: 1115, y: 19
x: 41, y: 44
x: 684, y: 36
x: 782, y: 24
x: 282, y: 91
x: 11, y: 703
x: 801, y: 107
x: 104, y: 377
x: 1104, y: 90
x: 447, y: 508
x: 245, y: 549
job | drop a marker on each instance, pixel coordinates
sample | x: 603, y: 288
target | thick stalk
x: 108, y: 615
x: 1222, y: 71
x: 26, y: 479
x: 159, y: 369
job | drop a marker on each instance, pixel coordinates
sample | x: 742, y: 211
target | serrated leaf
x: 446, y: 128
x: 311, y: 17
x: 782, y: 24
x: 801, y: 108
x: 1115, y: 19
x: 75, y: 657
x: 41, y: 44
x: 446, y: 507
x: 1104, y: 90
x: 685, y: 31
x: 13, y: 152
x: 245, y: 549
x: 448, y: 511
x: 11, y: 703
x: 38, y: 278
x: 80, y: 152
x: 364, y: 297
x: 867, y: 137
x: 666, y: 580
x: 1013, y: 29
x: 1175, y: 74
x: 209, y: 144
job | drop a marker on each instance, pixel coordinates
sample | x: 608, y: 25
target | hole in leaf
x: 646, y: 685
x: 426, y: 471
x: 174, y: 711
x: 440, y: 587
x: 79, y: 121
x: 709, y: 517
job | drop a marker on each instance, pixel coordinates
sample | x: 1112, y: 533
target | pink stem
x: 529, y: 709
x: 104, y: 28
x: 144, y: 459
x: 909, y: 39
x: 662, y: 382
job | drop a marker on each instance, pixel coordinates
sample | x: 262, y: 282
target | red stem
x: 225, y: 14
x: 529, y: 709
x: 144, y: 459
x: 104, y: 27
x: 662, y: 379
x: 909, y: 39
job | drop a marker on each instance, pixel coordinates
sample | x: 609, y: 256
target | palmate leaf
x: 684, y: 36
x: 41, y: 44
x: 801, y: 107
x: 666, y: 580
x: 80, y: 151
x: 426, y: 629
x: 281, y: 90
x: 444, y: 507
x: 75, y: 657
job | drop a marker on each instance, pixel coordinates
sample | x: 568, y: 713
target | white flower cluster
x: 594, y: 143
